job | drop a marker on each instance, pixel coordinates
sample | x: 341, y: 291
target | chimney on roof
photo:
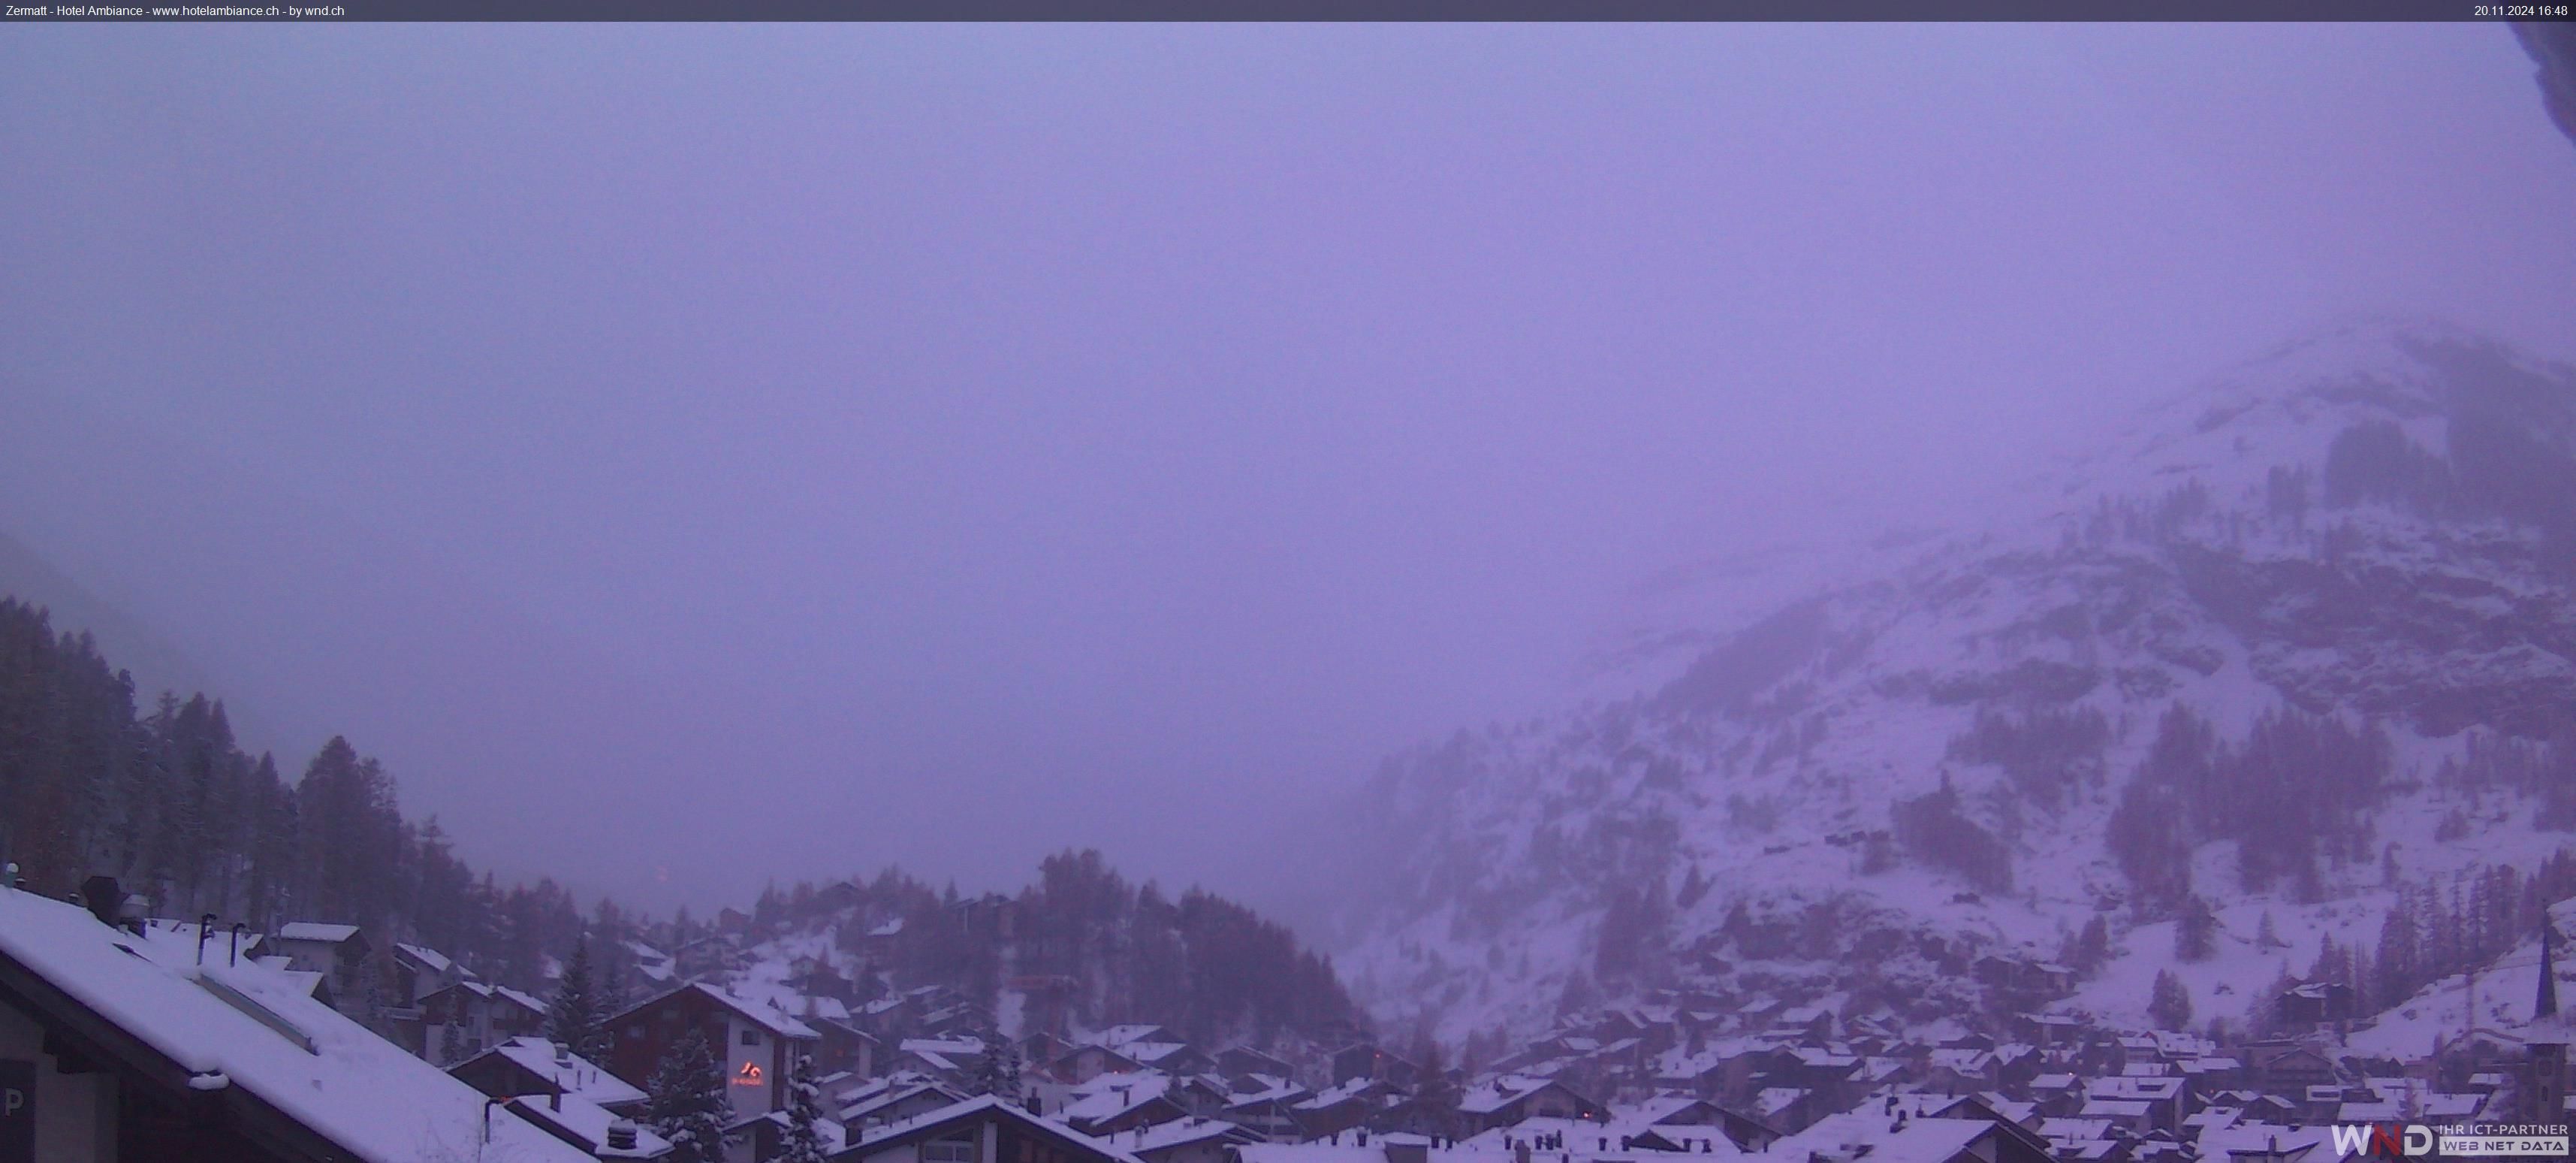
x: 103, y: 898
x: 621, y: 1135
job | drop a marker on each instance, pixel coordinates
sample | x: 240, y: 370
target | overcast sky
x: 693, y: 455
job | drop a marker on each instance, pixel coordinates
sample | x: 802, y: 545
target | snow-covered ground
x: 1755, y: 751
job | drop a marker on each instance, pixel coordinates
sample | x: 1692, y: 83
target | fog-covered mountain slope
x: 2298, y: 647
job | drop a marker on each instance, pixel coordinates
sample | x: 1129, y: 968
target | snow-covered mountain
x: 2302, y: 638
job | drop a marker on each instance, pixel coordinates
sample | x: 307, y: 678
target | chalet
x: 116, y: 1043
x: 839, y: 895
x: 762, y: 1137
x: 1682, y: 1110
x: 1238, y: 1061
x: 1868, y: 1134
x: 879, y: 943
x: 1084, y: 1063
x: 419, y: 971
x: 2262, y: 1142
x: 471, y: 1016
x: 652, y: 964
x: 953, y: 1058
x: 991, y: 917
x: 1339, y: 1108
x: 1111, y: 1103
x: 2287, y: 1068
x: 979, y: 1130
x: 1511, y: 1098
x: 537, y: 1067
x: 1366, y: 1060
x: 2318, y: 1003
x: 1787, y: 1107
x: 2131, y: 1117
x: 840, y: 1045
x: 1808, y: 1021
x: 1268, y: 1107
x: 893, y: 1099
x: 2056, y: 1093
x: 340, y: 953
x: 707, y: 956
x: 1168, y: 1057
x: 2163, y: 1098
x: 754, y: 1044
x: 1186, y: 1141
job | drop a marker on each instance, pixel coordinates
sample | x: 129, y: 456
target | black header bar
x: 335, y: 11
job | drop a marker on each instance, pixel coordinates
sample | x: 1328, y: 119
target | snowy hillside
x: 2293, y: 650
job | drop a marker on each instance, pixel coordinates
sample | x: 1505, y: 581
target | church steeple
x: 2546, y: 1004
x: 2545, y: 1039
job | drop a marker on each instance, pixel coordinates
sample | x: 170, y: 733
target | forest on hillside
x: 165, y: 800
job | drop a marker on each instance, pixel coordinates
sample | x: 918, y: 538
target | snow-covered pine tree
x: 993, y: 1073
x: 574, y: 1018
x: 2093, y: 945
x: 2195, y: 931
x: 2169, y: 1001
x: 803, y: 1142
x: 688, y: 1104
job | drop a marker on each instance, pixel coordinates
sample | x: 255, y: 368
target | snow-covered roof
x: 1178, y: 1133
x: 832, y: 1133
x: 2074, y: 1130
x: 944, y: 1047
x: 1120, y: 1035
x: 585, y: 1120
x: 1375, y: 1152
x: 315, y: 931
x: 219, y: 940
x: 1889, y: 1141
x: 976, y: 1106
x: 1111, y: 1095
x: 1772, y: 1100
x: 1656, y: 1108
x: 776, y: 1020
x: 860, y: 1102
x: 1338, y: 1093
x: 430, y: 959
x: 245, y: 1028
x: 1266, y: 1089
x: 2218, y: 1143
x: 1495, y: 1094
x: 575, y: 1074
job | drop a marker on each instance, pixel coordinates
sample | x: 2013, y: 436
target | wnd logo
x: 2358, y: 1140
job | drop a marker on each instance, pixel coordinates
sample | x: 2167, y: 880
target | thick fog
x: 695, y: 456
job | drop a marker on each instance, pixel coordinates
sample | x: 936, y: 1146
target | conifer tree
x: 988, y: 1071
x: 2195, y: 931
x: 803, y: 1142
x: 574, y: 1018
x: 688, y: 1104
x: 2169, y: 1001
x: 2093, y: 945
